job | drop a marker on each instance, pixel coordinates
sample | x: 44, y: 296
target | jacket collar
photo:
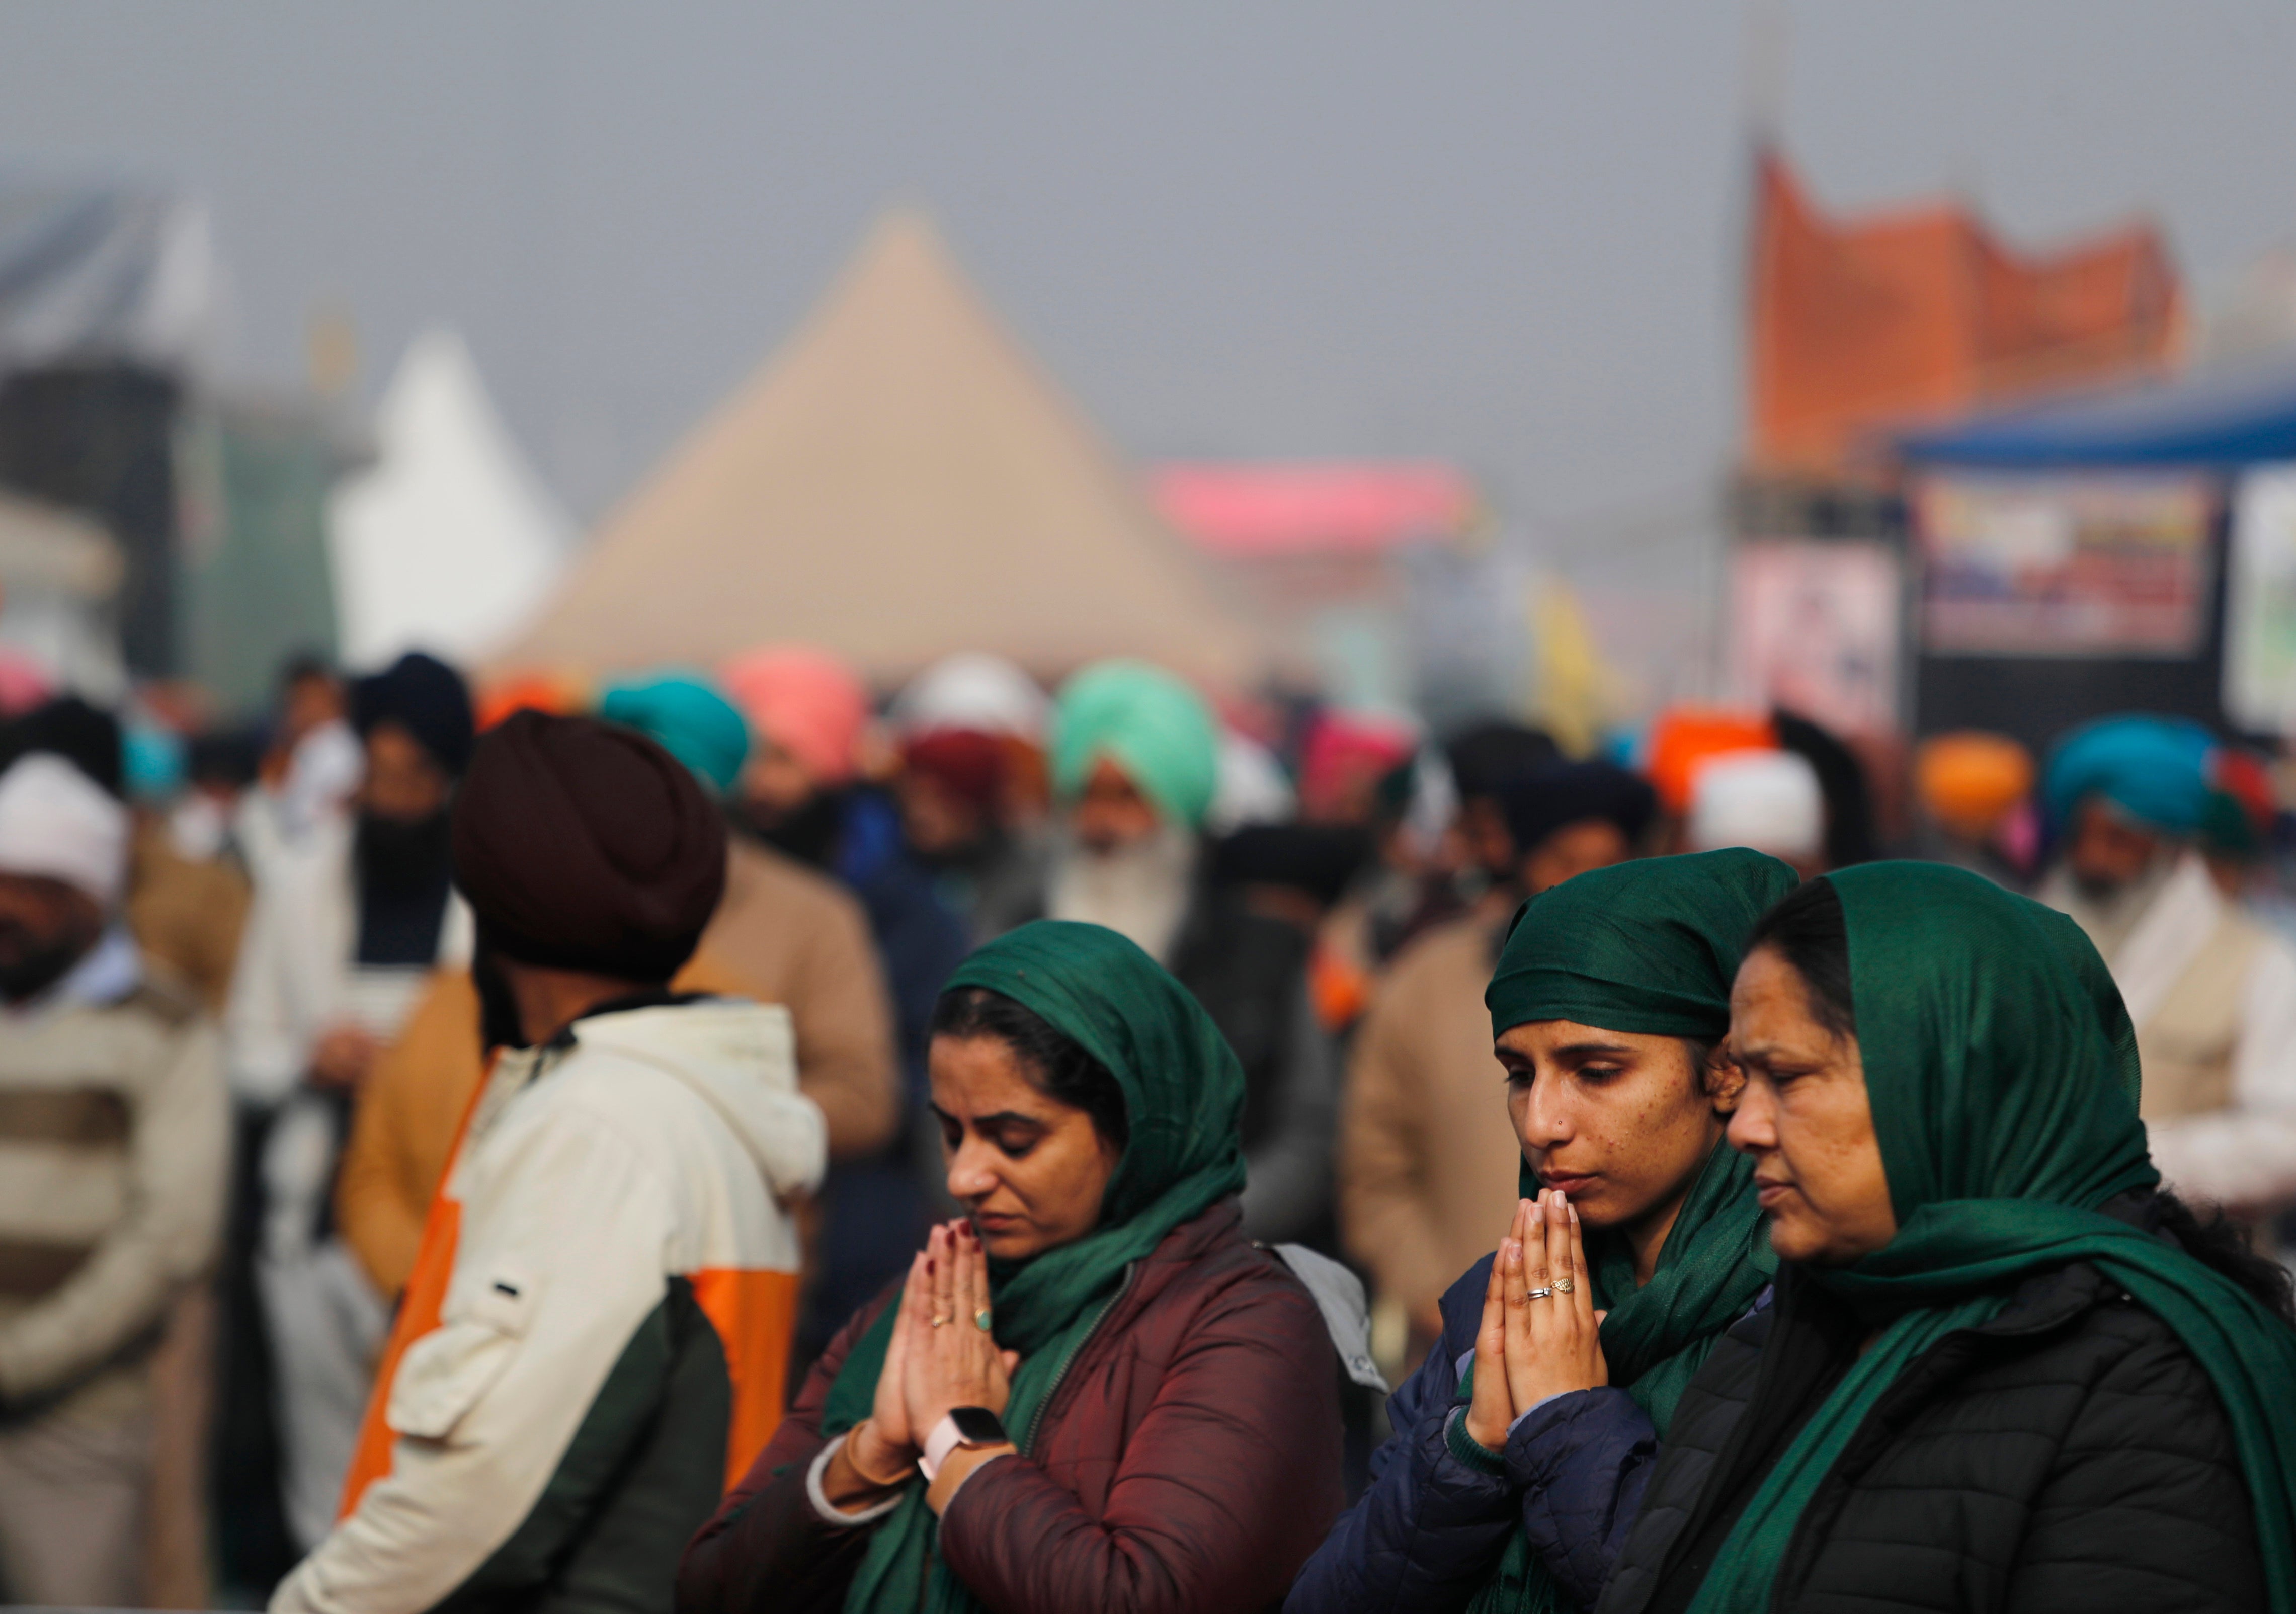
x: 739, y: 1057
x: 1179, y: 1248
x: 2051, y: 1299
x: 650, y: 997
x: 106, y: 973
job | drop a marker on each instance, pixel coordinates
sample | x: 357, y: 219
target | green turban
x: 1147, y: 722
x: 687, y: 718
x: 1648, y: 947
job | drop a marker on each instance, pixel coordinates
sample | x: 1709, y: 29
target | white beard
x: 2108, y: 919
x: 1139, y: 891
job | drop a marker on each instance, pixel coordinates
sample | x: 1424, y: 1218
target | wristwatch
x: 966, y: 1426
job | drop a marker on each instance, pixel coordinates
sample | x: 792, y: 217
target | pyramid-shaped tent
x: 901, y: 481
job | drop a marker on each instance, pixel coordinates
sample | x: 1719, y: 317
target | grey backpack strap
x: 1346, y: 1315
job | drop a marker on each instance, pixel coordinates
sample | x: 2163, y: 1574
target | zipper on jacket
x: 1028, y: 1438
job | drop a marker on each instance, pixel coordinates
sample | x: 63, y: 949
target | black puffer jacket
x: 2068, y: 1455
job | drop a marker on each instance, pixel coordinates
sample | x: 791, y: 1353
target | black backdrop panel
x: 2036, y: 698
x: 100, y: 439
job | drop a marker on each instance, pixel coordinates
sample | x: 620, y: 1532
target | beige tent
x: 899, y: 482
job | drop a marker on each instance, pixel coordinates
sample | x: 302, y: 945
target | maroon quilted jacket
x: 1189, y: 1461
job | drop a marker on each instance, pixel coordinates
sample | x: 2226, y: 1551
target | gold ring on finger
x: 1537, y: 1294
x: 1563, y: 1286
x: 980, y: 1319
x: 940, y: 1321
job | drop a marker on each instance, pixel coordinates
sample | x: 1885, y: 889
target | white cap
x: 973, y: 691
x: 57, y: 823
x: 1251, y: 788
x: 1769, y: 800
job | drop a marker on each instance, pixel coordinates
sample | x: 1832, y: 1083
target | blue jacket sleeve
x: 1431, y: 1528
x: 1580, y: 1462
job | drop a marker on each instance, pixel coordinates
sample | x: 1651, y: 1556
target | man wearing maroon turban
x: 591, y: 859
x: 596, y: 1334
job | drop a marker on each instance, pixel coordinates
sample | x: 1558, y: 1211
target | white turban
x: 973, y: 691
x: 1769, y: 800
x: 57, y: 823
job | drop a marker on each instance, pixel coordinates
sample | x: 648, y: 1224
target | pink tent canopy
x: 1251, y: 510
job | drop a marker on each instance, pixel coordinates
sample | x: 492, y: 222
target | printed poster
x: 2110, y: 564
x: 2259, y: 671
x: 1814, y: 628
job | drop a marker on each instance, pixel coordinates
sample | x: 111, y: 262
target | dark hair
x: 1705, y: 1062
x: 301, y: 666
x: 1841, y: 784
x: 1318, y: 860
x: 1485, y: 755
x: 1810, y: 931
x: 2218, y: 1242
x: 1055, y: 1064
x: 85, y: 736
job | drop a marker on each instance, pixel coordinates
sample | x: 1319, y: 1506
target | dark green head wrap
x: 2001, y: 1072
x: 1648, y: 947
x: 1183, y: 1104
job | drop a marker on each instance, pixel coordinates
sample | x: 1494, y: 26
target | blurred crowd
x: 243, y: 1033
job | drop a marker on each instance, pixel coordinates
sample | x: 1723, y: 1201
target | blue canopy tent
x: 2216, y: 419
x: 2215, y: 423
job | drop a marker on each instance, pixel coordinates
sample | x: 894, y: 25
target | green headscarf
x: 1151, y: 725
x: 2001, y: 1073
x: 1650, y: 947
x: 688, y: 718
x: 1182, y: 1102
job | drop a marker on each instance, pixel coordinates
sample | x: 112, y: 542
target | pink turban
x: 805, y: 701
x: 1346, y: 754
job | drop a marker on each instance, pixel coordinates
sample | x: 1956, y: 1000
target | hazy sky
x: 1505, y: 232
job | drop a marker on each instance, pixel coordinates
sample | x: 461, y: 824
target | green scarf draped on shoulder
x: 1647, y: 948
x: 1183, y: 1104
x: 2001, y: 1071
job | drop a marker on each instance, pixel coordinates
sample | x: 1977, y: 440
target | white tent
x: 450, y: 542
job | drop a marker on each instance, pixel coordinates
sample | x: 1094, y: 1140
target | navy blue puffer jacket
x: 1431, y: 1530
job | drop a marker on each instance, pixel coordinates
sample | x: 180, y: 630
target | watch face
x: 977, y: 1426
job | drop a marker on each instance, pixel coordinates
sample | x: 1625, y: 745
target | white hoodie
x: 662, y: 1144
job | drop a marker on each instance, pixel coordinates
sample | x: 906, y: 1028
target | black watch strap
x: 979, y: 1426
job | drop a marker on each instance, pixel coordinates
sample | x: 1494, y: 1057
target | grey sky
x: 1503, y: 233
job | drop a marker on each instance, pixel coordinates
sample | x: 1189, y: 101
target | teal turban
x: 686, y: 717
x: 2155, y: 769
x: 1147, y: 722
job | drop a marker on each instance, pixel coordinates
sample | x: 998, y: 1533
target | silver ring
x: 1537, y: 1294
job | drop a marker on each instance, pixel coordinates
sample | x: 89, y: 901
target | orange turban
x: 1684, y: 736
x: 559, y: 695
x: 1967, y: 780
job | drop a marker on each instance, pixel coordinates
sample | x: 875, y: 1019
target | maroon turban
x: 583, y: 845
x: 969, y: 765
